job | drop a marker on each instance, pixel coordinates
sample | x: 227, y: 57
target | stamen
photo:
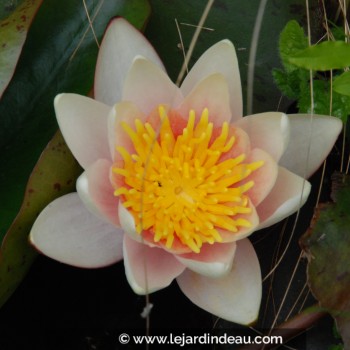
x: 178, y: 188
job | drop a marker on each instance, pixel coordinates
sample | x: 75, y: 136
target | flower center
x: 177, y: 187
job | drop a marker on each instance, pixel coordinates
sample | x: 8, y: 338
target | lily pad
x: 327, y: 246
x: 13, y: 32
x: 53, y: 176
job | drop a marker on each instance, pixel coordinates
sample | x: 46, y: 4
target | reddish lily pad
x: 327, y: 246
x: 13, y: 33
x: 53, y: 176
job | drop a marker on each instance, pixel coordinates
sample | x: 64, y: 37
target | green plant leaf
x: 292, y: 41
x: 294, y: 82
x: 290, y: 82
x: 13, y: 32
x: 59, y: 55
x: 291, y: 79
x: 322, y: 99
x: 324, y: 56
x: 327, y: 246
x: 341, y: 84
x: 53, y: 176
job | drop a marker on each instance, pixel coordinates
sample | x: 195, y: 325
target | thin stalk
x: 291, y: 328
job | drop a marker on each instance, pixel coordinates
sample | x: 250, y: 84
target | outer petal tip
x: 121, y: 43
x: 212, y: 92
x: 147, y: 85
x: 312, y: 138
x: 219, y: 58
x: 83, y: 123
x: 288, y: 195
x: 139, y: 58
x: 235, y: 297
x: 57, y: 99
x: 268, y: 131
x: 226, y: 41
x: 67, y: 232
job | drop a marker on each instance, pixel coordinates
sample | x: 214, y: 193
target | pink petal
x: 148, y: 269
x: 241, y: 145
x: 268, y: 131
x: 311, y: 139
x: 220, y: 58
x: 66, y: 231
x: 122, y: 112
x: 147, y: 86
x: 264, y: 178
x: 127, y: 223
x: 243, y: 232
x: 83, y: 122
x: 212, y: 93
x: 213, y: 260
x: 96, y: 192
x: 235, y: 297
x: 120, y: 45
x: 288, y: 195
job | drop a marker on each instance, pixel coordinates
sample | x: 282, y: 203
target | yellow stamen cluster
x: 178, y: 188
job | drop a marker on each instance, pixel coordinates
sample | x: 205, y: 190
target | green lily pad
x: 327, y: 246
x: 13, y: 32
x: 53, y: 176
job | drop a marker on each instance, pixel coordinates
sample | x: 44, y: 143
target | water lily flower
x: 174, y: 179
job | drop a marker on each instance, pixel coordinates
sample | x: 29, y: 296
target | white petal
x: 66, y: 231
x: 212, y: 93
x: 263, y: 178
x: 212, y: 261
x: 83, y: 122
x: 288, y: 195
x: 268, y: 131
x: 147, y: 86
x: 220, y: 58
x: 148, y: 269
x: 96, y: 191
x: 127, y: 223
x: 311, y: 139
x: 235, y: 297
x: 122, y: 112
x: 243, y: 232
x: 82, y: 187
x: 120, y: 45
